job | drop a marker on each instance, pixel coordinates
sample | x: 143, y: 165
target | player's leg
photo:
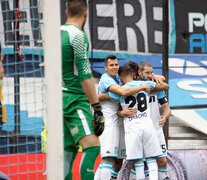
x: 162, y: 168
x: 162, y: 160
x: 152, y: 150
x: 111, y: 167
x: 109, y: 151
x: 69, y: 157
x: 132, y: 175
x: 70, y: 151
x: 117, y: 167
x: 78, y: 129
x: 134, y: 151
x: 146, y: 170
x: 107, y: 168
x: 139, y: 167
x: 122, y: 148
x: 153, y: 169
x: 91, y: 150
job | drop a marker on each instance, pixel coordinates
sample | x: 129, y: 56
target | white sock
x: 114, y: 174
x: 139, y: 166
x: 162, y: 173
x: 132, y: 175
x: 153, y: 169
x: 106, y: 170
x: 97, y: 175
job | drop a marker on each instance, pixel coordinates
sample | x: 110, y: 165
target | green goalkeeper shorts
x: 77, y: 118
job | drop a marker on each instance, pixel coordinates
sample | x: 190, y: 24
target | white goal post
x: 53, y: 93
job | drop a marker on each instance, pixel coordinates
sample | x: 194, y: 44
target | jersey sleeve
x: 151, y: 83
x: 161, y: 96
x: 80, y: 47
x: 114, y: 95
x: 105, y: 83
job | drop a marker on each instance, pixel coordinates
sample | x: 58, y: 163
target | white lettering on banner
x: 198, y: 20
x: 116, y: 26
x: 189, y: 86
x: 197, y: 40
x: 128, y: 27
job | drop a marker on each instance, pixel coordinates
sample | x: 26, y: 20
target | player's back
x: 75, y: 63
x: 140, y: 101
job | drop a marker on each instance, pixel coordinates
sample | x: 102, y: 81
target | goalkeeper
x: 80, y: 127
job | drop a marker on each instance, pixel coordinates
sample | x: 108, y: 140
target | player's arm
x: 103, y: 97
x: 166, y: 114
x: 163, y: 86
x: 88, y: 86
x: 130, y: 90
x: 127, y: 112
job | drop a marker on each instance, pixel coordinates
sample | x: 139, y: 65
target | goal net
x: 30, y: 89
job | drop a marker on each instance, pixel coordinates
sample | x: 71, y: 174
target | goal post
x: 53, y: 93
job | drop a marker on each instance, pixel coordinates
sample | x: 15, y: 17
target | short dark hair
x: 125, y: 70
x: 142, y: 65
x: 76, y: 7
x: 133, y: 65
x: 112, y: 57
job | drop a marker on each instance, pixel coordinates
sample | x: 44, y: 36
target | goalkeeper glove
x: 98, y: 122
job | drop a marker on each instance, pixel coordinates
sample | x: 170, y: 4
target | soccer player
x: 158, y: 97
x: 140, y: 136
x: 78, y: 93
x: 2, y: 107
x: 135, y: 67
x: 112, y: 140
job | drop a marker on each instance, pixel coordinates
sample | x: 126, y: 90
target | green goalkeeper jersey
x: 75, y: 62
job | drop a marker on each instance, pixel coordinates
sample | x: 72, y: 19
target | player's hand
x: 128, y: 112
x: 147, y: 88
x: 158, y: 79
x: 162, y: 121
x: 98, y: 122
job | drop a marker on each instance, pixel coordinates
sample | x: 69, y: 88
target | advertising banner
x: 124, y: 27
x: 191, y: 26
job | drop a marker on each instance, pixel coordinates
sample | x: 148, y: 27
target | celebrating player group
x: 133, y: 123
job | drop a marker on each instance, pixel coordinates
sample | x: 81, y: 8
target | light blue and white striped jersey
x: 106, y: 81
x: 109, y: 108
x: 140, y: 101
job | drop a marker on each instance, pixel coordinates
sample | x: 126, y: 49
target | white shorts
x: 112, y: 142
x: 142, y: 143
x: 162, y: 141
